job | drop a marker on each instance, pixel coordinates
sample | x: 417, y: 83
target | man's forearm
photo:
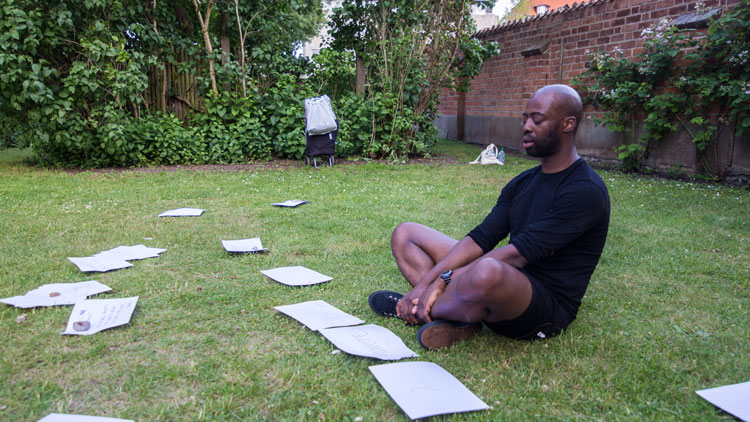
x: 462, y: 254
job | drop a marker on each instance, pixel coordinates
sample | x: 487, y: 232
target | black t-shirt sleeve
x: 576, y: 209
x: 496, y: 225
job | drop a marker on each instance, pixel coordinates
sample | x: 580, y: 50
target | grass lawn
x: 667, y: 311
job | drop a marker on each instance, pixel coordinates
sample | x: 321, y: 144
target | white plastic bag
x: 488, y: 156
x: 319, y: 115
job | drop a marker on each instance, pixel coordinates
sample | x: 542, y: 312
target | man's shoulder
x: 586, y: 188
x: 588, y: 176
x: 534, y: 170
x: 526, y: 174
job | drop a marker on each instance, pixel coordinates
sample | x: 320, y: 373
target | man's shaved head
x: 565, y: 100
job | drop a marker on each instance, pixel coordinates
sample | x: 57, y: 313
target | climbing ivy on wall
x: 683, y: 79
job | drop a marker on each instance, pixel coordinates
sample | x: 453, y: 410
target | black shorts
x: 545, y: 316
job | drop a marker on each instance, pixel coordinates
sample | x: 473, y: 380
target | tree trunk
x: 224, y: 37
x: 182, y: 19
x: 207, y: 40
x: 360, y: 77
x: 242, y: 47
x: 163, y: 92
x: 224, y: 40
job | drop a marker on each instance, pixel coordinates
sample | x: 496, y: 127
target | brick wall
x: 490, y: 111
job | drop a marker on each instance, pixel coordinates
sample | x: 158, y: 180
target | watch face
x: 446, y: 274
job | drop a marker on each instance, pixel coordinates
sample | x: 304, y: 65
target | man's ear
x: 569, y: 124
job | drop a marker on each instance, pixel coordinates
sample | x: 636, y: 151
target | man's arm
x: 508, y: 254
x: 463, y: 253
x: 422, y: 308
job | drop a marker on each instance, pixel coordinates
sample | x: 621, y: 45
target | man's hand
x: 405, y: 307
x: 423, y: 307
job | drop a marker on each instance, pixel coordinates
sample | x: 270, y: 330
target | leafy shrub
x: 374, y: 127
x: 284, y: 105
x: 333, y: 72
x: 160, y: 139
x: 232, y: 129
x: 10, y: 136
x: 229, y: 131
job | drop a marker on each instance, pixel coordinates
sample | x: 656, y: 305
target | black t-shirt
x: 558, y: 222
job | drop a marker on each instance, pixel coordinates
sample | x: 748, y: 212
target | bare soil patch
x: 268, y: 165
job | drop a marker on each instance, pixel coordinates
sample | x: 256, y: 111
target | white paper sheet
x: 182, y: 212
x: 733, y: 399
x: 296, y: 276
x: 370, y: 341
x: 57, y: 294
x: 291, y: 203
x: 243, y: 245
x: 99, y: 263
x: 131, y: 253
x: 318, y: 314
x: 60, y: 417
x: 423, y: 389
x: 94, y: 315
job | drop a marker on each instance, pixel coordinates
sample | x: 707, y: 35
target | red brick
x: 678, y: 10
x: 621, y: 4
x: 657, y: 14
x: 622, y: 13
x: 634, y: 18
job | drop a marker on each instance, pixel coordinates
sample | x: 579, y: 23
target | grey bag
x: 319, y: 115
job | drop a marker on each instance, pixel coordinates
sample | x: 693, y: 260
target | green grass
x: 666, y: 313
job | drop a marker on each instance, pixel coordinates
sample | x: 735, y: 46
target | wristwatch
x: 446, y: 276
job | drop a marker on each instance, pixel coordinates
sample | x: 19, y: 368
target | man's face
x: 541, y: 127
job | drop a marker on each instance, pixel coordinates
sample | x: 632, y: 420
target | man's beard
x: 546, y: 146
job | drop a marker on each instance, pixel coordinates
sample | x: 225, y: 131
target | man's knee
x: 403, y: 233
x: 488, y: 278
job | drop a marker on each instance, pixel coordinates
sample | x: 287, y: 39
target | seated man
x: 557, y: 215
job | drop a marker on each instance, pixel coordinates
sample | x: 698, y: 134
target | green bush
x: 232, y: 129
x: 10, y: 136
x: 284, y: 104
x: 333, y: 72
x: 374, y: 127
x: 160, y: 139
